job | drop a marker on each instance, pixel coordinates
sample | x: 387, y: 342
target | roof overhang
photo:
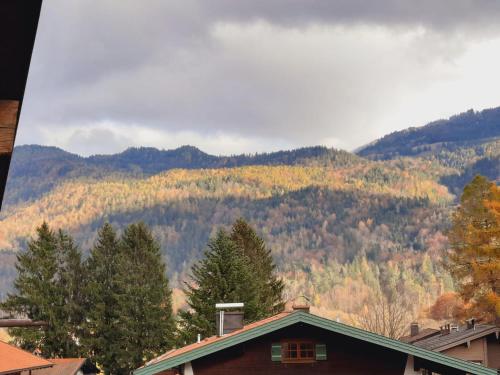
x: 468, y: 339
x: 21, y: 369
x: 326, y: 324
x: 18, y: 25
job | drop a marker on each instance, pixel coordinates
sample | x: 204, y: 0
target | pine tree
x: 146, y: 304
x: 47, y: 287
x: 474, y: 261
x: 269, y: 286
x: 104, y: 331
x: 224, y: 275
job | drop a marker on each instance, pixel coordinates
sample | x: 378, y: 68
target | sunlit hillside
x: 333, y: 229
x: 80, y: 202
x: 339, y: 225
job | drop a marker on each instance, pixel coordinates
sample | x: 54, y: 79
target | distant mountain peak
x: 465, y: 128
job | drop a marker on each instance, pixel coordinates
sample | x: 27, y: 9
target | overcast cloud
x: 249, y: 76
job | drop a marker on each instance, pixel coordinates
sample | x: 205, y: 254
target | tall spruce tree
x: 224, y: 275
x: 269, y: 286
x: 70, y: 282
x: 104, y: 329
x: 46, y: 288
x: 145, y: 307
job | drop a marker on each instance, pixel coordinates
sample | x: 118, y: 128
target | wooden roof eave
x: 17, y: 370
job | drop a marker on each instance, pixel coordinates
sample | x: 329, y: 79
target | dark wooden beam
x: 10, y: 323
x: 18, y: 25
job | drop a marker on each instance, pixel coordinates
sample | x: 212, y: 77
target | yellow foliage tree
x: 474, y: 260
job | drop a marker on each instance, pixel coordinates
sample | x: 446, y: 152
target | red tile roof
x: 13, y: 359
x: 62, y: 366
x: 210, y: 340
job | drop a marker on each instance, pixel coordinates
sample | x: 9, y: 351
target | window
x: 296, y: 351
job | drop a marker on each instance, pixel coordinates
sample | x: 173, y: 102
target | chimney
x: 414, y: 329
x: 228, y: 321
x: 304, y: 308
x: 471, y: 323
x: 303, y: 305
x: 445, y: 330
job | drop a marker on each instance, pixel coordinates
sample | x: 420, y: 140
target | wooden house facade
x: 298, y: 342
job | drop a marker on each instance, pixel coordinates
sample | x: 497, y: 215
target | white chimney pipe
x: 229, y: 305
x: 220, y: 306
x: 221, y: 323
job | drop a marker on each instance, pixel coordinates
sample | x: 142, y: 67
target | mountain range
x: 337, y: 222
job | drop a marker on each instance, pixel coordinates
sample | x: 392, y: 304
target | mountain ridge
x: 37, y: 169
x: 337, y: 223
x: 465, y: 129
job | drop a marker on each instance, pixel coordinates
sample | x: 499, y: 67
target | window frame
x: 299, y: 358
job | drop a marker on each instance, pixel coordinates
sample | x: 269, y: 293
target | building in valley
x: 297, y: 342
x: 472, y: 342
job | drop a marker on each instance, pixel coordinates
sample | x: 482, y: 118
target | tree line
x: 115, y: 306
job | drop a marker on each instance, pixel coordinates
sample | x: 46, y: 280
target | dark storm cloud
x: 439, y: 14
x: 300, y: 72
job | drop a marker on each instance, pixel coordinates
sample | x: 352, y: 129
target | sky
x: 251, y: 76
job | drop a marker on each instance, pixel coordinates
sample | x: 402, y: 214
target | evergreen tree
x: 224, y: 275
x: 47, y: 286
x: 70, y: 282
x: 474, y: 238
x: 269, y: 286
x: 104, y: 331
x: 145, y: 307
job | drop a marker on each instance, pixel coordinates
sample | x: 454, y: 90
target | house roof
x: 423, y: 334
x: 211, y: 345
x: 62, y: 366
x: 214, y: 339
x: 455, y: 338
x: 13, y: 359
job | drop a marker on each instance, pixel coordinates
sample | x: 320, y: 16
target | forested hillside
x: 469, y: 143
x: 469, y: 129
x: 35, y: 170
x: 339, y: 225
x: 335, y: 229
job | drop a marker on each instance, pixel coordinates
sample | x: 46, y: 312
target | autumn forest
x: 347, y: 230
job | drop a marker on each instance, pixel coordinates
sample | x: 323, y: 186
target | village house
x: 472, y: 342
x: 298, y: 342
x: 14, y: 361
x: 67, y: 366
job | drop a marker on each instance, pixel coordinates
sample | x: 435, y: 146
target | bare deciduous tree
x: 387, y: 316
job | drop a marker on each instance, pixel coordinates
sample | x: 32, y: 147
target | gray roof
x: 454, y: 338
x: 422, y: 335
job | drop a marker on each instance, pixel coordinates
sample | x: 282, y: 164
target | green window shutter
x: 320, y: 352
x: 276, y: 352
